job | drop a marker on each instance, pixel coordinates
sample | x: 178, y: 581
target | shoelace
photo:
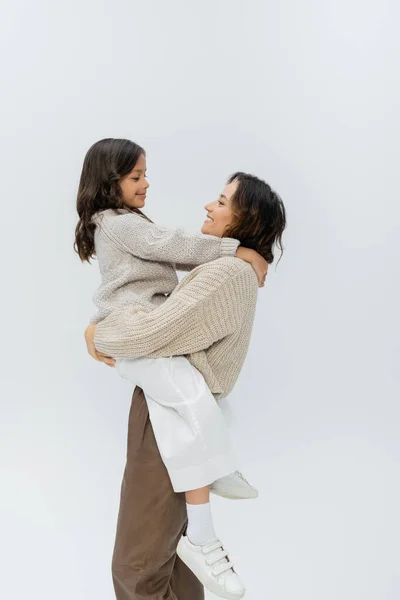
x: 217, y: 554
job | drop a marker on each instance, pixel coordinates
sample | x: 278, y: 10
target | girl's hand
x: 257, y: 261
x: 89, y: 338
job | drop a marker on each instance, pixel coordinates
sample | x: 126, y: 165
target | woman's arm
x: 208, y: 305
x: 134, y: 234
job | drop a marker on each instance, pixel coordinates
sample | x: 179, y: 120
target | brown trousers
x: 152, y: 517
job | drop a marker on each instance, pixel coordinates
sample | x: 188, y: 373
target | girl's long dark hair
x: 259, y: 215
x: 105, y: 163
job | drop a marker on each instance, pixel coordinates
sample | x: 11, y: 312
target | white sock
x: 200, y: 524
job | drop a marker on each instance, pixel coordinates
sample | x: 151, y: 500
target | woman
x: 208, y: 318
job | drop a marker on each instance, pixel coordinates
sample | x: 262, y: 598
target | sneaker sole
x: 232, y: 495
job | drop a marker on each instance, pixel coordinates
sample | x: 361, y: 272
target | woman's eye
x: 135, y: 178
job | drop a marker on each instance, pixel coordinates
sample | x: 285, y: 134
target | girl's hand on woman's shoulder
x: 91, y: 348
x: 257, y: 261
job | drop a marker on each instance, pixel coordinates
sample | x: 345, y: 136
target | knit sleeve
x: 134, y: 234
x: 208, y: 306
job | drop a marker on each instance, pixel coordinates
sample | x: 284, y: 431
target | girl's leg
x: 200, y: 522
x: 190, y: 431
x: 188, y: 424
x: 200, y: 496
x: 151, y: 521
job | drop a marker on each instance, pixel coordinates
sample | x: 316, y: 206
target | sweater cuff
x: 229, y: 246
x: 95, y: 319
x: 101, y: 339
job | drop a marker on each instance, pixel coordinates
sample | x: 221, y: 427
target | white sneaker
x: 212, y: 567
x: 235, y: 487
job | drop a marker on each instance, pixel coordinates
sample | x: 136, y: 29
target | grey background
x: 305, y: 94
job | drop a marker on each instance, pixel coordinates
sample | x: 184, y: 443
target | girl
x: 137, y: 261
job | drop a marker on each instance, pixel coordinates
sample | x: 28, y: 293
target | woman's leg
x: 151, y: 521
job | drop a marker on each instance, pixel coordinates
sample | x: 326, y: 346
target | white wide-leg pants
x: 188, y: 424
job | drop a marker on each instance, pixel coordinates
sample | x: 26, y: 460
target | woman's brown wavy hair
x: 259, y: 216
x: 105, y: 163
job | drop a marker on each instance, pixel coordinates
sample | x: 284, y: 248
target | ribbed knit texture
x: 137, y: 259
x: 208, y: 317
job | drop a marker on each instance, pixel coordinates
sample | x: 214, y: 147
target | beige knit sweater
x: 137, y: 259
x: 208, y: 317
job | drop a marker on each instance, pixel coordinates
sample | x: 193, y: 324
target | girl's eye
x: 135, y: 178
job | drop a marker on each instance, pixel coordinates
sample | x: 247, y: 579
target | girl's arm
x: 134, y: 234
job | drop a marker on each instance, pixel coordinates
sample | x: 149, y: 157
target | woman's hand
x: 89, y: 337
x: 257, y: 261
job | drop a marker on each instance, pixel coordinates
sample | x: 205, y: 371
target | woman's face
x: 134, y: 185
x: 219, y: 212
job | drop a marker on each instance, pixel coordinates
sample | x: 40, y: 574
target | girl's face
x: 219, y: 212
x: 134, y: 185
